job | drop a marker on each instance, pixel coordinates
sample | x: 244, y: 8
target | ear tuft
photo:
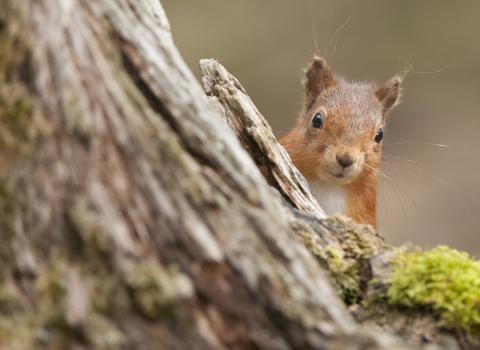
x: 389, y: 94
x: 317, y: 78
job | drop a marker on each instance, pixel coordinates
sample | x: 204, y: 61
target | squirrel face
x: 341, y: 126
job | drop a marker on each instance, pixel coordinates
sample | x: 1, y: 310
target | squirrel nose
x: 345, y: 160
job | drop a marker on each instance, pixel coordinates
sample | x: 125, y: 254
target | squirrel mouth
x: 339, y: 175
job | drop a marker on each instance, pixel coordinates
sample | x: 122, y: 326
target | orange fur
x: 362, y: 199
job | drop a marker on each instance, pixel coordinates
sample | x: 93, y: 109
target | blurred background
x: 432, y: 193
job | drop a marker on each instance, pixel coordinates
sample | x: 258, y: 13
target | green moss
x: 16, y: 115
x: 17, y: 333
x: 443, y: 280
x: 156, y: 290
x: 86, y: 225
x: 6, y: 227
x: 51, y: 290
x: 9, y: 300
x: 21, y: 124
x: 103, y: 334
x: 345, y: 258
x: 6, y: 202
x: 109, y: 295
x: 26, y: 325
x: 343, y: 271
x: 356, y: 240
x: 51, y: 313
x: 15, y: 109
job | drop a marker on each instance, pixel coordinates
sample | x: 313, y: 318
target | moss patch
x: 15, y: 108
x: 156, y: 290
x: 21, y: 124
x: 51, y: 288
x: 9, y: 300
x: 344, y: 260
x: 443, y: 280
x: 7, y: 201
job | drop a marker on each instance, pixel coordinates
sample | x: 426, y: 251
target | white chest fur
x: 332, y: 199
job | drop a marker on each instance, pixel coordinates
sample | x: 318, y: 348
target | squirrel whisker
x: 417, y: 143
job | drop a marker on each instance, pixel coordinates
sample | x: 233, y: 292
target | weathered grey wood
x: 257, y: 137
x: 131, y: 216
x: 338, y: 235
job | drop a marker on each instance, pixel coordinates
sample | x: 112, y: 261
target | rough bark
x: 131, y: 215
x: 354, y: 255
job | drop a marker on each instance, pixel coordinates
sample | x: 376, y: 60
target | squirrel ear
x: 317, y: 78
x: 389, y: 94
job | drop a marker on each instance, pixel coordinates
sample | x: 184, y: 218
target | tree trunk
x: 131, y: 215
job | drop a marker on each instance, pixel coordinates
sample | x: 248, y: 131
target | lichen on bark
x: 134, y: 218
x: 346, y: 258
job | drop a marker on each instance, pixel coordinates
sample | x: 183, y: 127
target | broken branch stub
x: 228, y: 96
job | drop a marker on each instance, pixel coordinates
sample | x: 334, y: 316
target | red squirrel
x: 337, y: 140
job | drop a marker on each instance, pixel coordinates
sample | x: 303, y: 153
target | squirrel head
x: 342, y: 123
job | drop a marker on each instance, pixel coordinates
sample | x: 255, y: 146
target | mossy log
x: 132, y: 217
x: 426, y: 297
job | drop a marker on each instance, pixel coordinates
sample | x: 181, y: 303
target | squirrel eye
x: 379, y: 136
x: 317, y: 121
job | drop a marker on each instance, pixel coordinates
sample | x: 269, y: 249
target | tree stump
x: 133, y: 217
